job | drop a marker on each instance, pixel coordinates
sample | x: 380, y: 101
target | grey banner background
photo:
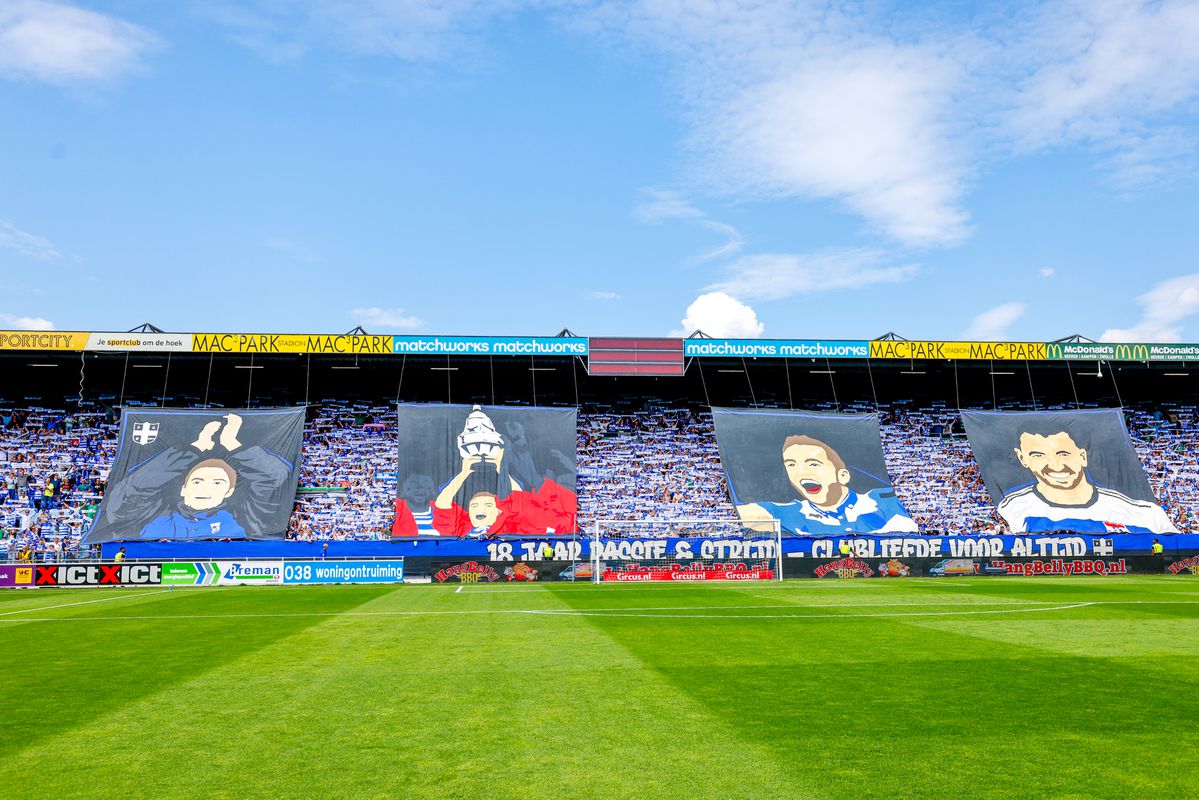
x: 1111, y: 461
x: 539, y: 443
x: 143, y: 486
x: 751, y: 449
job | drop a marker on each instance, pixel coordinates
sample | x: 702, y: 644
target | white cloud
x: 665, y: 205
x: 790, y: 101
x: 409, y: 30
x: 21, y: 323
x: 1109, y: 59
x: 861, y: 128
x: 1047, y: 272
x: 1112, y: 73
x: 720, y: 316
x: 25, y: 243
x: 382, y: 318
x: 773, y: 276
x: 661, y: 205
x: 1163, y: 309
x: 993, y: 324
x: 63, y: 44
x: 733, y: 241
x: 605, y: 296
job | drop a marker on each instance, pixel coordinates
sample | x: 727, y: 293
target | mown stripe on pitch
x: 870, y: 706
x: 423, y: 707
x: 92, y: 671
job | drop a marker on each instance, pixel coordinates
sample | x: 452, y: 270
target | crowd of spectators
x: 347, y: 474
x: 656, y: 464
x: 660, y: 463
x: 53, y: 470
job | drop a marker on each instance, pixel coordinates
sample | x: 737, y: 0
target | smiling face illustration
x: 1054, y: 460
x: 208, y: 484
x: 482, y: 510
x: 815, y: 470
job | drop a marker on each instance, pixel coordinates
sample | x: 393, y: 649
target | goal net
x: 630, y: 551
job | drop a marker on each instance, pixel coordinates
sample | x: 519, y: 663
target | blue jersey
x: 876, y: 511
x: 217, y: 524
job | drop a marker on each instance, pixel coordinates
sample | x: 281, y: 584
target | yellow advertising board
x: 978, y: 351
x: 42, y: 340
x: 290, y: 343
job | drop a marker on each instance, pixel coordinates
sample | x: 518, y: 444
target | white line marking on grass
x: 80, y: 603
x: 459, y: 590
x: 794, y: 584
x: 618, y: 612
x: 809, y: 616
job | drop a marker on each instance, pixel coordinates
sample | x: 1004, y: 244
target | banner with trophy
x: 485, y: 471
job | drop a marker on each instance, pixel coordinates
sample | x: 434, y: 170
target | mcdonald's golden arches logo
x: 1132, y: 352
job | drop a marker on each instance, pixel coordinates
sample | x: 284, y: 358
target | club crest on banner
x: 145, y: 432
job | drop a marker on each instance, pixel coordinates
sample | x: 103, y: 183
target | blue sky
x: 650, y: 167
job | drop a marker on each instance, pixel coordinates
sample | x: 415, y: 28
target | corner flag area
x: 970, y: 687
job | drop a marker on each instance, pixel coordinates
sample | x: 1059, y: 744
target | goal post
x: 683, y: 550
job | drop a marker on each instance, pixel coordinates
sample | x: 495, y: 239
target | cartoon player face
x: 482, y: 510
x: 208, y: 484
x: 418, y: 490
x: 1055, y: 460
x: 815, y: 470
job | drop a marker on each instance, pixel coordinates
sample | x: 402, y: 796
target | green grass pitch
x: 972, y: 687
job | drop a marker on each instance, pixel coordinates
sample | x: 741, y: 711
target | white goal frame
x: 775, y: 535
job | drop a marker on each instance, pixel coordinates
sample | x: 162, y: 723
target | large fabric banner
x: 1064, y: 471
x: 817, y: 473
x: 186, y: 474
x: 485, y: 471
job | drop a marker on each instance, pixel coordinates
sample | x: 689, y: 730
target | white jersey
x: 1026, y: 511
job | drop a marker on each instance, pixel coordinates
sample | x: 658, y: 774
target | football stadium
x: 599, y: 399
x: 559, y: 566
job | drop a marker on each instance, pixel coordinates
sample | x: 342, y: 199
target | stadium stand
x: 655, y: 462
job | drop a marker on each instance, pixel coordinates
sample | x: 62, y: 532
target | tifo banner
x: 191, y: 474
x: 979, y: 351
x: 775, y: 348
x: 1064, y: 471
x: 390, y: 571
x: 475, y: 472
x: 816, y: 473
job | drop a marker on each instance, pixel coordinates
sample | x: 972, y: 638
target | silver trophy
x: 479, y: 438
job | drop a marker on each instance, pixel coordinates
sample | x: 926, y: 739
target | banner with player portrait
x: 819, y: 474
x: 190, y: 474
x: 485, y: 471
x: 1064, y: 471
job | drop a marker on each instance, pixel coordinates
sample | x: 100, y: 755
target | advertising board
x: 318, y: 572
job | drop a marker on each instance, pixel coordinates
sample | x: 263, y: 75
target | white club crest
x: 145, y: 432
